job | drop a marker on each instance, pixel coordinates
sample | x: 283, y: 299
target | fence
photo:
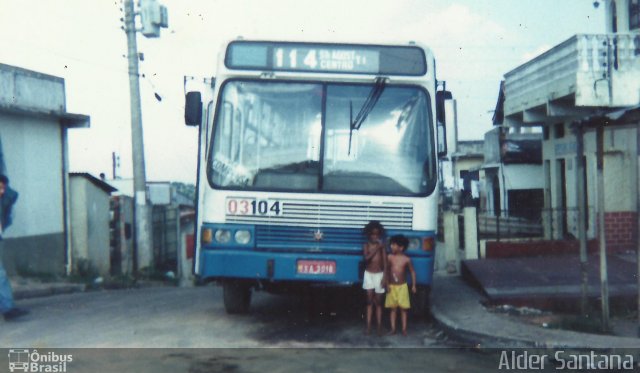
x: 534, y: 232
x: 121, y: 235
x: 165, y: 237
x: 502, y: 225
x: 556, y: 223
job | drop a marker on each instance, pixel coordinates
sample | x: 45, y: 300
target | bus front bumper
x: 348, y: 269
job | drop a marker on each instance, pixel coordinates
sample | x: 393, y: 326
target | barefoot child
x: 398, y: 291
x: 375, y: 260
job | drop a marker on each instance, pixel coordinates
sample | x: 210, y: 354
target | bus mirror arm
x: 193, y: 109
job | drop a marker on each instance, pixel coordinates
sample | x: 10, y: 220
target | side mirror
x: 193, y: 109
x: 441, y: 97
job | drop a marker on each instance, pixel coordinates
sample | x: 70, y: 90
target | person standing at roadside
x: 8, y: 198
x: 375, y: 259
x: 398, y: 290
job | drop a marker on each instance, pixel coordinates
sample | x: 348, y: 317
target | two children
x: 384, y: 271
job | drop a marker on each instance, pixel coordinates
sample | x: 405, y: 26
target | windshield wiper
x: 367, y: 107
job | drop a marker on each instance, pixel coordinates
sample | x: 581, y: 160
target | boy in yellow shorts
x: 398, y: 291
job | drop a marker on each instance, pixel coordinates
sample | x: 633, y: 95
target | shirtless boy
x: 374, y: 281
x: 398, y: 291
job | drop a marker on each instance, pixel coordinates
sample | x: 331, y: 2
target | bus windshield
x: 299, y: 137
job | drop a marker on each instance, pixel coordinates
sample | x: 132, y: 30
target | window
x: 634, y: 14
x: 559, y: 130
x: 545, y: 133
x: 290, y: 136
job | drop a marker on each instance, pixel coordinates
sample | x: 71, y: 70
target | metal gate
x: 165, y: 237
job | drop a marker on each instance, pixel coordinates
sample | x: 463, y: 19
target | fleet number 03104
x: 249, y: 206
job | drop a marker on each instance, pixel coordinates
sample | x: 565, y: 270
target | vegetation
x: 188, y: 191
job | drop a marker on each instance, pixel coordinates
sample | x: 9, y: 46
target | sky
x: 475, y: 43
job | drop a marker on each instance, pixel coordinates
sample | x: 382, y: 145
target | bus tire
x: 420, y: 306
x: 237, y: 296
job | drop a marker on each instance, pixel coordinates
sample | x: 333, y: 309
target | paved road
x: 326, y: 334
x: 195, y: 317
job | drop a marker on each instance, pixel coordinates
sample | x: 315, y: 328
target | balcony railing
x: 584, y: 71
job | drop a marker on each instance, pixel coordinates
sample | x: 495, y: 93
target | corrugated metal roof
x: 95, y: 181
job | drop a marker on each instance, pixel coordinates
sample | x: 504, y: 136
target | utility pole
x: 604, y: 283
x: 582, y: 206
x: 140, y: 212
x: 115, y: 164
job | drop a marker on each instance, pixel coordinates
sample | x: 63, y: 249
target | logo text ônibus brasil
x: 39, y: 362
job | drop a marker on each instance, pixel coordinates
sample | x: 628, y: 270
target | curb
x: 46, y: 290
x: 476, y: 339
x: 457, y: 309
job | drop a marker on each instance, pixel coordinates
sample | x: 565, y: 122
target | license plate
x: 316, y: 267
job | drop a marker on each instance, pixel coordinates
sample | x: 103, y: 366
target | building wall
x: 621, y: 9
x: 464, y: 164
x: 620, y: 186
x: 89, y: 226
x: 79, y: 219
x: 31, y: 90
x: 509, y: 177
x: 98, y: 228
x: 523, y: 176
x: 620, y: 226
x: 32, y: 150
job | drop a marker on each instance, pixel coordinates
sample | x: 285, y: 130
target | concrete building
x: 90, y: 217
x: 466, y: 162
x: 33, y: 135
x: 587, y: 84
x: 512, y: 174
x: 172, y: 223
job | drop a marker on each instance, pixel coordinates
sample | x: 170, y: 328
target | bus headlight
x: 223, y: 235
x: 414, y: 243
x: 242, y: 237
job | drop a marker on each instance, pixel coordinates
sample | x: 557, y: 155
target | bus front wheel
x: 237, y: 296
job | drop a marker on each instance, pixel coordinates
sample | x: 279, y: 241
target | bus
x: 300, y: 145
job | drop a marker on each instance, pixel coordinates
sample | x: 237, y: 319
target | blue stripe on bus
x: 219, y: 263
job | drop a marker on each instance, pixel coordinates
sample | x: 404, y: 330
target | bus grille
x: 296, y: 238
x: 338, y: 214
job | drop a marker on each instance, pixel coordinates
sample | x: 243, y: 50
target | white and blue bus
x: 300, y: 145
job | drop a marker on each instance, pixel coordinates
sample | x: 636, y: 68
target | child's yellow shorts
x: 398, y: 296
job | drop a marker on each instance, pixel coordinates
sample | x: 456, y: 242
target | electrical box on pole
x: 153, y: 16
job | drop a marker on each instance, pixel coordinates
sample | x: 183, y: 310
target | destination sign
x: 334, y: 58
